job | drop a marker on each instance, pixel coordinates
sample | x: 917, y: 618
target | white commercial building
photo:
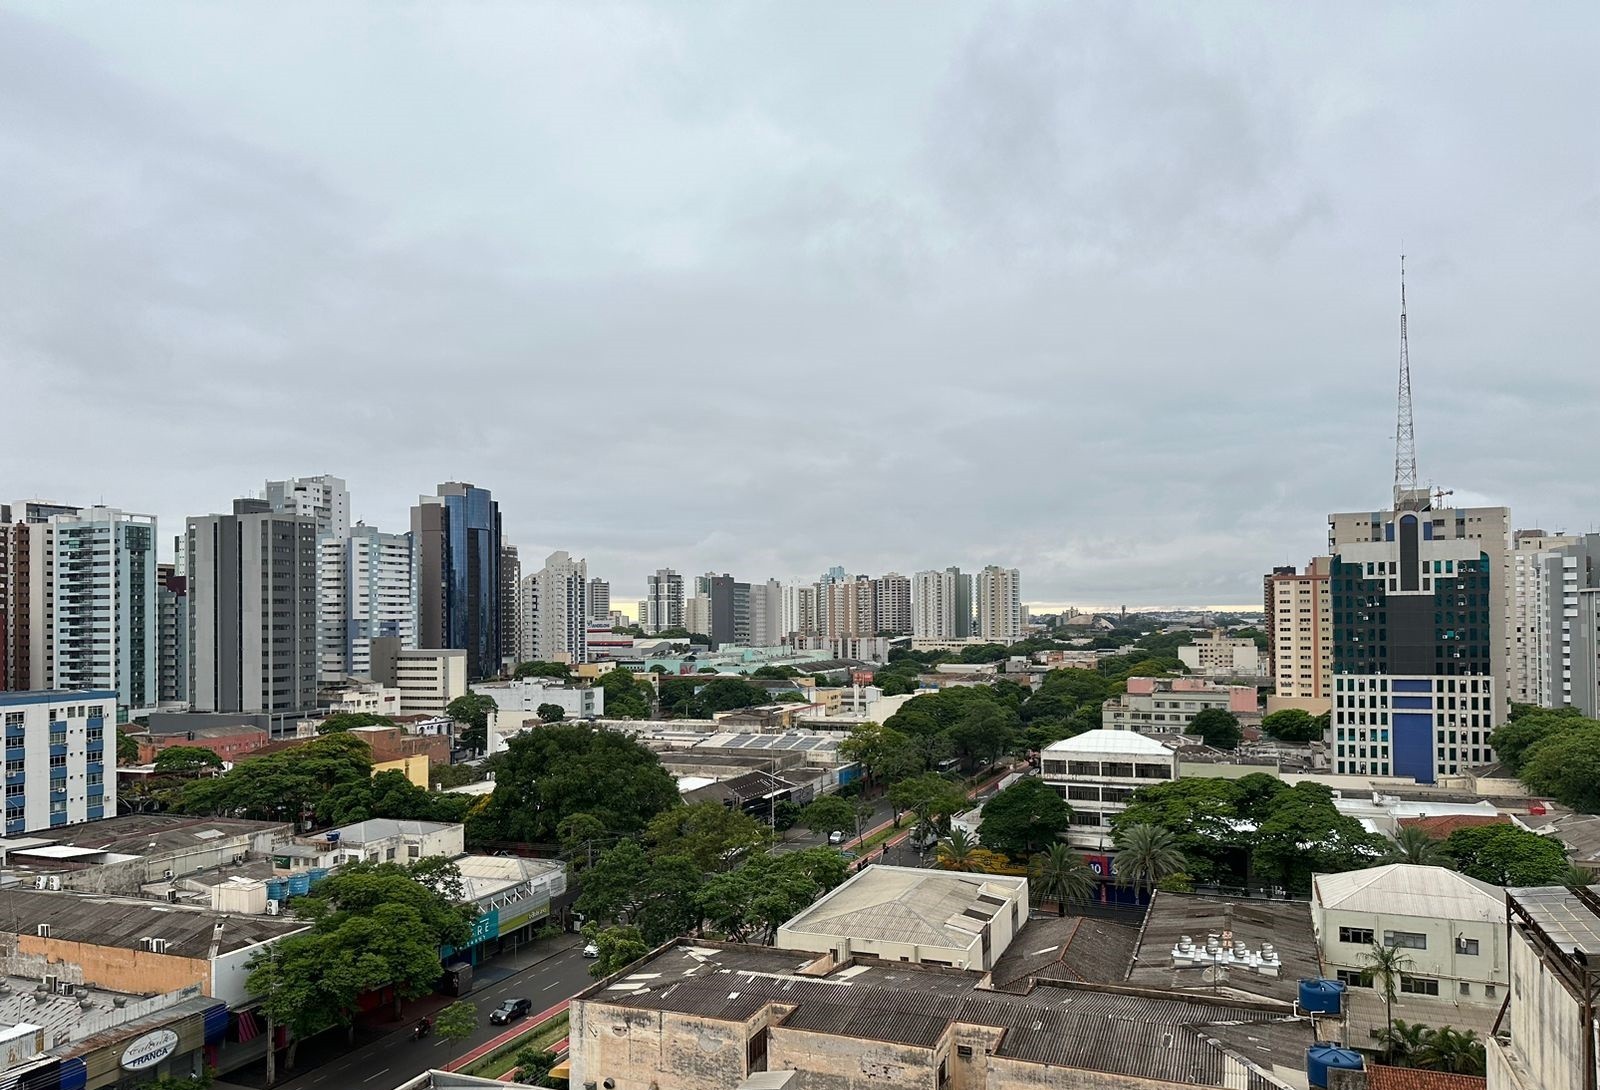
x: 999, y: 594
x: 517, y: 705
x: 1098, y: 771
x: 1451, y: 928
x: 426, y: 679
x: 324, y: 499
x: 1217, y: 655
x: 56, y: 763
x: 366, y: 590
x: 963, y: 921
x: 555, y: 611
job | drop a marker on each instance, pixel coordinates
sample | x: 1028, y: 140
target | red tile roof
x: 1438, y: 828
x: 1380, y: 1077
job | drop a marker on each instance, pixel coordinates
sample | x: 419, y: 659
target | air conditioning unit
x: 44, y: 933
x: 50, y: 983
x: 273, y: 908
x: 67, y: 988
x: 38, y: 883
x: 55, y: 884
x: 172, y: 896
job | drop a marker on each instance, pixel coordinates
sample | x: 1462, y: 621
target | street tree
x: 471, y: 713
x: 1147, y: 856
x: 457, y: 1022
x: 712, y: 835
x: 1292, y: 725
x: 619, y: 947
x: 885, y: 755
x: 343, y: 721
x: 828, y: 814
x: 551, y: 713
x: 1025, y: 818
x: 1507, y: 855
x: 186, y: 760
x: 1217, y: 728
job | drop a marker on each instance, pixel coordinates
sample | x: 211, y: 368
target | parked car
x: 510, y: 1011
x: 836, y: 837
x: 590, y: 950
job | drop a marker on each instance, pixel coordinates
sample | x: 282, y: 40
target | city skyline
x: 794, y: 273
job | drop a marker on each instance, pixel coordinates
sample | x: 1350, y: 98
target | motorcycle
x: 420, y: 1030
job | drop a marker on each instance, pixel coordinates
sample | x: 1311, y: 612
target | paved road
x: 797, y: 839
x: 386, y: 1057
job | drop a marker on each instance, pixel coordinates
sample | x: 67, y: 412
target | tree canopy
x: 471, y: 711
x: 343, y: 721
x: 285, y: 785
x: 549, y: 774
x: 885, y: 754
x: 1024, y: 819
x: 559, y: 670
x: 1293, y: 725
x: 389, y: 794
x: 1507, y: 855
x: 626, y: 697
x: 975, y: 723
x: 710, y: 834
x: 1216, y: 728
x: 181, y: 759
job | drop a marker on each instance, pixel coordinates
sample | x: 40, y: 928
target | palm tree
x: 1061, y: 875
x: 1387, y: 964
x: 1578, y: 877
x: 1404, y: 1042
x: 1448, y: 1049
x: 956, y: 851
x: 1146, y: 856
x: 1412, y: 845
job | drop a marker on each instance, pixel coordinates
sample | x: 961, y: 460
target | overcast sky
x: 1105, y: 293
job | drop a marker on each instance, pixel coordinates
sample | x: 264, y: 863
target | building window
x: 1466, y: 989
x: 1406, y: 940
x: 1354, y: 978
x: 964, y: 1051
x: 1419, y: 985
x: 1362, y: 935
x: 1488, y: 991
x: 1466, y: 946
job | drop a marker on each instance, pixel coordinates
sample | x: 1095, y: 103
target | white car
x: 836, y: 837
x: 590, y: 950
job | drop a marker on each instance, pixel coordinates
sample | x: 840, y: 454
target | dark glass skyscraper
x: 457, y: 534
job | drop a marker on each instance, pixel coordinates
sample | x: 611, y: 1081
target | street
x: 385, y: 1056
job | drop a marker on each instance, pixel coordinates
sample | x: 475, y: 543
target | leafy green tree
x: 710, y: 834
x: 389, y: 794
x: 360, y: 890
x: 1025, y: 818
x: 343, y: 721
x: 984, y: 733
x: 885, y: 755
x: 1387, y: 964
x: 551, y: 713
x: 186, y: 759
x: 1506, y: 855
x: 1300, y: 833
x: 625, y: 697
x: 1059, y: 874
x: 729, y: 693
x: 1216, y: 728
x: 1146, y: 856
x: 547, y: 774
x: 471, y: 712
x: 830, y: 813
x: 658, y: 895
x: 127, y: 749
x: 896, y: 684
x: 785, y: 814
x: 457, y: 1022
x: 930, y: 797
x: 558, y: 670
x: 1207, y: 820
x: 619, y: 947
x: 1413, y: 846
x: 1529, y: 725
x: 284, y: 785
x: 1566, y: 766
x: 580, y: 837
x: 1292, y: 725
x: 535, y: 1064
x: 775, y: 673
x: 611, y: 885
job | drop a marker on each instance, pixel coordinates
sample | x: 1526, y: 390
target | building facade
x: 57, y: 770
x: 555, y: 611
x: 323, y: 499
x: 428, y: 679
x: 460, y: 591
x: 366, y: 589
x: 599, y: 600
x: 1419, y: 646
x: 1549, y: 1038
x: 252, y: 611
x: 663, y: 601
x: 1217, y: 655
x: 999, y: 595
x: 1299, y: 628
x: 1097, y: 772
x: 892, y: 601
x: 1168, y: 705
x: 172, y: 636
x: 766, y: 614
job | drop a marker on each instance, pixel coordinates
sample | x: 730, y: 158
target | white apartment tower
x: 555, y: 611
x: 366, y: 590
x: 599, y: 600
x: 324, y: 499
x: 1299, y: 627
x: 999, y: 594
x: 663, y: 601
x: 766, y: 614
x: 892, y: 599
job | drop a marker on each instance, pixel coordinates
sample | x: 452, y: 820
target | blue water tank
x: 277, y: 888
x: 1318, y: 996
x: 299, y: 884
x: 317, y: 874
x: 1320, y: 1058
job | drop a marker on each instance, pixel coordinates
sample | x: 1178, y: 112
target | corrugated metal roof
x: 1404, y: 889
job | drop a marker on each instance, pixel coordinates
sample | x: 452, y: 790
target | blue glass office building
x: 457, y: 535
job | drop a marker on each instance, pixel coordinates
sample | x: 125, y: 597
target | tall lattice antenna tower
x: 1405, y: 436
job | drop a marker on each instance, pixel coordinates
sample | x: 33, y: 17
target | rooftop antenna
x: 1405, y: 436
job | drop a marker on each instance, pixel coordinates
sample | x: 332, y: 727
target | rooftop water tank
x: 1318, y: 996
x: 1322, y: 1057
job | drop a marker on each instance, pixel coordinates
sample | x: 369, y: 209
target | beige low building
x: 964, y: 921
x: 1549, y: 1037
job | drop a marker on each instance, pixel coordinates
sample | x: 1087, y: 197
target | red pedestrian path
x: 496, y: 1043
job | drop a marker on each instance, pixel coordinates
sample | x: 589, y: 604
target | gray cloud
x: 1103, y: 292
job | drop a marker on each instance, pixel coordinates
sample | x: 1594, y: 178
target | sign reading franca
x: 149, y: 1050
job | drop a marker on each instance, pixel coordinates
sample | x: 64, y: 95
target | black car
x: 510, y: 1011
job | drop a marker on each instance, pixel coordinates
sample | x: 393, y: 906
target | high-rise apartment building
x: 457, y: 534
x: 84, y: 601
x: 1536, y: 599
x: 663, y: 601
x: 252, y: 610
x: 172, y: 635
x: 555, y: 611
x: 730, y: 608
x: 999, y: 595
x: 961, y: 604
x: 697, y: 614
x: 801, y: 609
x: 848, y: 607
x: 323, y: 499
x: 512, y: 638
x: 1299, y: 629
x: 892, y: 602
x: 933, y: 605
x: 766, y: 614
x: 599, y: 600
x: 366, y: 589
x: 56, y: 764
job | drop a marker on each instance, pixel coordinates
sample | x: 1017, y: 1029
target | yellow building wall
x: 415, y: 768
